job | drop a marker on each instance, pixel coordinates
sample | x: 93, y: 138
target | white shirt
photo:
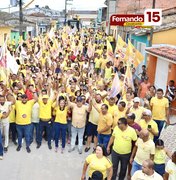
x: 171, y: 170
x: 35, y: 113
x: 139, y: 175
x: 5, y: 108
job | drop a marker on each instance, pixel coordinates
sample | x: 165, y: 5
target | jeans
x: 4, y: 125
x: 36, y: 127
x: 104, y: 139
x: 23, y: 130
x: 42, y: 126
x: 14, y: 131
x: 124, y: 160
x: 77, y: 131
x: 69, y: 128
x: 1, y: 147
x: 135, y: 167
x: 160, y: 127
x: 60, y: 129
x: 160, y: 169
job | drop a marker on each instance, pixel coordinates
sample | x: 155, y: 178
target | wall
x: 4, y: 30
x: 165, y: 37
x: 127, y: 6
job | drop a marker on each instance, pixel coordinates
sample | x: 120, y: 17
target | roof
x: 165, y: 51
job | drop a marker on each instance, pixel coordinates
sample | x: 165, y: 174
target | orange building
x: 161, y: 66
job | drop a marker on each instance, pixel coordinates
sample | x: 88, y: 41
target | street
x: 45, y: 164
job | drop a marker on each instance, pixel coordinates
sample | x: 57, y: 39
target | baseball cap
x: 97, y: 175
x: 45, y: 97
x: 24, y: 96
x: 137, y: 99
x: 116, y: 55
x: 79, y: 99
x: 147, y: 112
x: 131, y: 116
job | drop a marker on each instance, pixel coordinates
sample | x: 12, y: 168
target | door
x: 161, y: 74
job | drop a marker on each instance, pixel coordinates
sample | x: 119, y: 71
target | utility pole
x: 65, y: 12
x: 151, y: 31
x: 108, y: 16
x: 21, y: 17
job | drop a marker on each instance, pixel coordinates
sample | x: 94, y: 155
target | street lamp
x: 66, y: 9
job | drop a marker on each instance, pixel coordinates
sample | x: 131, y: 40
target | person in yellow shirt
x: 148, y: 123
x: 144, y: 149
x: 111, y: 105
x: 122, y: 138
x: 45, y: 112
x: 119, y: 113
x: 136, y: 109
x: 98, y: 162
x: 97, y: 64
x: 160, y: 110
x: 147, y: 172
x: 60, y: 123
x: 93, y: 122
x: 108, y: 71
x: 23, y: 120
x: 103, y: 64
x: 104, y: 124
x: 161, y: 154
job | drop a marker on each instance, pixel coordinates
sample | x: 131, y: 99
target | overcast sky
x: 60, y: 4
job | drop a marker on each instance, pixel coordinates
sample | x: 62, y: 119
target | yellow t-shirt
x: 108, y: 73
x: 97, y: 63
x: 117, y: 115
x: 94, y: 114
x: 23, y: 112
x: 12, y: 115
x: 138, y: 113
x: 159, y: 108
x: 123, y: 140
x: 160, y: 156
x: 144, y: 150
x: 45, y: 109
x: 103, y: 63
x: 96, y: 164
x: 104, y: 121
x: 61, y: 116
x: 144, y: 125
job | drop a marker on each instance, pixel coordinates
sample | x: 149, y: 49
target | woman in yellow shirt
x: 98, y: 162
x: 60, y: 123
x: 161, y: 154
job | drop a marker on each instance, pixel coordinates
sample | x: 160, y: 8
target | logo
x: 151, y: 17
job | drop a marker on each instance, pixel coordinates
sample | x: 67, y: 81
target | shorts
x: 91, y: 129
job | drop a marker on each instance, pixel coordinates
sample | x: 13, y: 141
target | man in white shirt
x: 5, y: 106
x: 171, y: 168
x: 147, y: 172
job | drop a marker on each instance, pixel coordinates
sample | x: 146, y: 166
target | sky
x: 60, y: 4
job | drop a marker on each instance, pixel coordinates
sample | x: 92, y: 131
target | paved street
x: 44, y: 164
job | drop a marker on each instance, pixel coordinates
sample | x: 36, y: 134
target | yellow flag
x: 138, y: 58
x: 110, y: 54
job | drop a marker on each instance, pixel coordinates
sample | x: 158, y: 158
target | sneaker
x: 38, y: 146
x: 1, y: 157
x: 68, y: 141
x: 28, y: 149
x: 18, y: 148
x: 71, y: 149
x: 80, y: 151
x: 87, y: 149
x: 49, y: 146
x: 5, y: 149
x: 15, y: 143
x: 62, y: 150
x: 56, y: 149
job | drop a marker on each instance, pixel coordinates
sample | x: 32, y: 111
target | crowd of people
x: 62, y: 92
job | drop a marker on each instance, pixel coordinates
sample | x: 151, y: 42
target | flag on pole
x: 90, y: 50
x: 121, y: 48
x: 115, y: 88
x: 128, y: 80
x: 110, y: 54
